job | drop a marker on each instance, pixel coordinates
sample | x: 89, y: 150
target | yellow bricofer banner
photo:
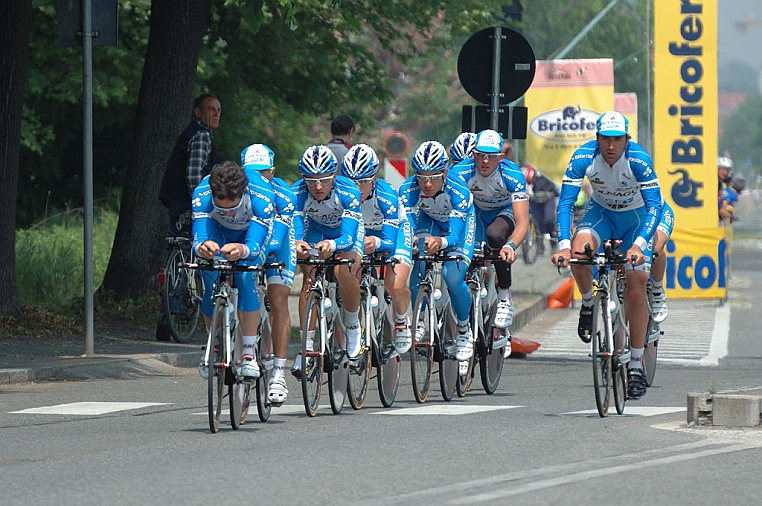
x: 565, y: 100
x: 685, y: 144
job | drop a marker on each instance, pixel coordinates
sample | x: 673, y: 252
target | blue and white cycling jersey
x: 497, y: 191
x: 383, y: 217
x: 281, y: 246
x: 337, y: 218
x: 495, y: 194
x: 667, y: 221
x: 250, y: 225
x: 630, y: 185
x: 449, y: 213
x: 450, y: 208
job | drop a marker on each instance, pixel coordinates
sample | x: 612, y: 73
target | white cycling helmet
x: 724, y: 161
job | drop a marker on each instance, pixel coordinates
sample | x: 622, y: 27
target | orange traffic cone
x: 563, y: 296
x: 522, y: 346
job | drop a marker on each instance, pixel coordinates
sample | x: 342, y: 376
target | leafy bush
x: 50, y: 259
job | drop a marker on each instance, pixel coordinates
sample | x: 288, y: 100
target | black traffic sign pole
x: 497, y: 45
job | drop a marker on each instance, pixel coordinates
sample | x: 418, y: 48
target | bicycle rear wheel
x: 217, y: 369
x: 312, y: 356
x: 422, y: 351
x: 265, y: 358
x: 448, y: 367
x: 386, y: 360
x: 181, y: 297
x: 601, y: 356
x: 530, y: 246
x: 337, y: 365
x: 492, y: 359
x: 651, y: 351
x: 463, y: 385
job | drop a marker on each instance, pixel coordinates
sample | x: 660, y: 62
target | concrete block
x: 736, y: 410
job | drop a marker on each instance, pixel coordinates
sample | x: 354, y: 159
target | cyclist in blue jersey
x: 439, y: 207
x: 232, y: 217
x: 328, y: 218
x: 386, y: 230
x: 502, y: 209
x: 260, y: 159
x: 461, y: 147
x: 625, y: 204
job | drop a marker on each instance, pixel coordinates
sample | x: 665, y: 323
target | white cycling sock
x: 656, y: 287
x: 504, y: 294
x: 587, y: 299
x: 636, y: 354
x: 249, y: 346
x: 353, y: 318
x: 279, y: 365
x: 400, y: 318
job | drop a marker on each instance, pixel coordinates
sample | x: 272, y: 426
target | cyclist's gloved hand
x: 208, y: 249
x: 433, y: 244
x: 233, y: 251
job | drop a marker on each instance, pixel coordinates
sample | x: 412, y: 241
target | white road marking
x: 631, y: 411
x: 443, y: 409
x: 719, y: 346
x: 87, y: 408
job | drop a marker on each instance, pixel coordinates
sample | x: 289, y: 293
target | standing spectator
x: 191, y: 160
x: 724, y: 177
x: 542, y: 203
x: 342, y: 129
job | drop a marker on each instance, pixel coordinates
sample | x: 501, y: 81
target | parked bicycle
x: 492, y: 344
x: 610, y: 331
x: 377, y: 325
x: 327, y: 350
x: 436, y: 330
x: 181, y: 290
x: 223, y: 347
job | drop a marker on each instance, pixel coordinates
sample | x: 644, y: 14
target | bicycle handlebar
x: 226, y: 265
x: 328, y: 262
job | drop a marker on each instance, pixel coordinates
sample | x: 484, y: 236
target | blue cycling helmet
x: 461, y: 147
x: 360, y: 162
x: 430, y: 157
x: 317, y: 160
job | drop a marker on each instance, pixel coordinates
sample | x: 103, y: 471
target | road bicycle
x: 327, y: 350
x: 223, y: 346
x: 435, y: 329
x: 377, y: 326
x: 610, y: 333
x: 181, y: 291
x: 490, y: 343
x: 530, y: 246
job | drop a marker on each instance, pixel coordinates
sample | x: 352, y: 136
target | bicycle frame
x: 367, y: 282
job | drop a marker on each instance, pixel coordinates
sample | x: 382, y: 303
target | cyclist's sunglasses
x: 313, y: 182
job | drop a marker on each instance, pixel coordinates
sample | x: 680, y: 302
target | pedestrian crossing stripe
x: 631, y: 411
x: 443, y: 409
x: 87, y: 408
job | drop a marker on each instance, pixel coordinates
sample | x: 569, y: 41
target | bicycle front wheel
x: 217, y: 367
x: 422, y: 351
x: 312, y: 356
x: 181, y: 297
x: 601, y: 356
x: 448, y: 366
x: 359, y: 370
x: 386, y: 360
x: 491, y: 359
x: 337, y: 364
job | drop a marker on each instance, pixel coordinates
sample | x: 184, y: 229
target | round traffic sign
x: 396, y: 145
x: 517, y: 65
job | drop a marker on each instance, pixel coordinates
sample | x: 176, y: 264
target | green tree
x: 742, y: 134
x: 15, y: 19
